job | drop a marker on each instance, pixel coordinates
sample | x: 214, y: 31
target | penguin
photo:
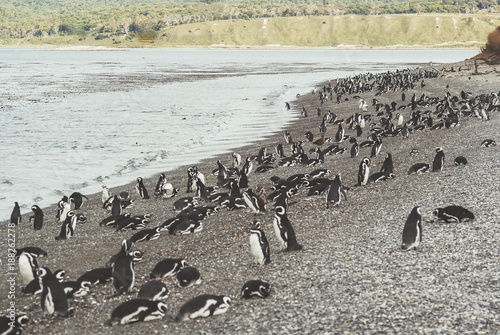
x: 95, y: 276
x: 28, y: 267
x: 13, y: 325
x: 387, y: 166
x: 412, y: 232
x: 339, y: 136
x: 53, y: 299
x: 185, y: 202
x: 453, y: 213
x: 15, y: 216
x: 288, y: 137
x: 319, y: 173
x: 153, y: 290
x: 309, y: 136
x: 63, y: 207
x: 280, y: 150
x: 167, y: 267
x: 68, y: 227
x: 355, y: 149
x: 106, y: 194
x: 37, y: 217
x: 132, y: 222
x: 203, y: 306
x: 264, y: 168
x: 364, y: 171
x: 399, y: 119
x: 76, y: 199
x: 460, y: 160
x: 488, y: 143
x: 141, y: 189
x: 123, y: 270
x: 438, y: 162
x: 75, y: 288
x: 137, y: 310
x: 33, y: 286
x: 259, y: 244
x: 255, y: 288
x: 146, y: 235
x: 377, y: 146
x: 236, y: 159
x: 378, y: 176
x: 254, y: 202
x: 158, y: 188
x: 419, y: 168
x: 284, y: 231
x: 116, y: 206
x: 188, y: 276
x: 335, y: 192
x: 186, y: 227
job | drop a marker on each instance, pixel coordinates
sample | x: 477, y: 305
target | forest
x: 124, y: 21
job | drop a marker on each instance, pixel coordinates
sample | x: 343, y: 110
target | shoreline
x: 340, y: 285
x: 49, y: 47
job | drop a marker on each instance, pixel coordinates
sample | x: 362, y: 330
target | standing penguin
x: 355, y: 149
x: 339, y: 136
x: 438, y: 162
x: 334, y: 192
x: 377, y: 146
x: 15, y: 216
x: 37, y: 217
x: 68, y: 227
x: 236, y: 159
x: 63, y: 209
x: 53, y: 299
x: 123, y: 270
x: 284, y: 231
x: 28, y: 267
x: 364, y: 171
x: 259, y: 244
x: 106, y: 194
x: 141, y: 189
x: 412, y: 232
x: 116, y: 206
x: 387, y: 166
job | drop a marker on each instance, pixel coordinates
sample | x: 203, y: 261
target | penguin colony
x: 230, y: 188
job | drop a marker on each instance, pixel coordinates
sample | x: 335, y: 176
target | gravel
x: 351, y: 276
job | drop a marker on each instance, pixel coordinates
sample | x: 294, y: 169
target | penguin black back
x: 412, y: 232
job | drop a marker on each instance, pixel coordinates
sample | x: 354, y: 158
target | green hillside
x: 379, y: 31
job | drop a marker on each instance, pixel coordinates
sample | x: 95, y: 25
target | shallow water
x: 75, y: 120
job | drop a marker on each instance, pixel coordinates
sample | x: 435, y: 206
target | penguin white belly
x: 256, y: 249
x: 277, y: 231
x: 133, y: 317
x: 49, y: 302
x: 204, y: 311
x: 25, y: 270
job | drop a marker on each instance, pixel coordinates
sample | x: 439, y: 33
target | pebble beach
x: 351, y: 277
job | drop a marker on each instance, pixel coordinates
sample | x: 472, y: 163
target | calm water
x: 75, y: 120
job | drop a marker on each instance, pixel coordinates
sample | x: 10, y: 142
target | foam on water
x: 75, y: 121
